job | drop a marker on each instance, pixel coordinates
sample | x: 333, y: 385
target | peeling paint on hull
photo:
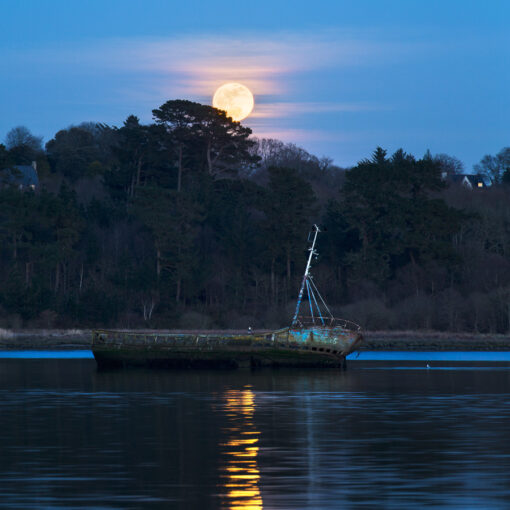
x: 313, y: 347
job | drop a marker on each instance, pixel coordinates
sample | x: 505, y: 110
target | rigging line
x: 317, y: 305
x: 309, y: 300
x: 321, y: 298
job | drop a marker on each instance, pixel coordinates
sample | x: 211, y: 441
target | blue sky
x: 338, y: 78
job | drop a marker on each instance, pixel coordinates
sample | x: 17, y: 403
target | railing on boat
x: 123, y: 337
x: 328, y: 322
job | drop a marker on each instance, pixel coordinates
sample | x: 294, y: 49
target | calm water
x: 385, y: 434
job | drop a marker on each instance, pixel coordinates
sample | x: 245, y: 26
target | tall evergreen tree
x: 387, y: 201
x: 172, y: 217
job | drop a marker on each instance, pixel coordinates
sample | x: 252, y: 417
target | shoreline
x: 75, y: 339
x: 433, y: 341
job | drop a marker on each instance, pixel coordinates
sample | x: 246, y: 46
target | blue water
x: 382, y: 434
x: 78, y: 354
x: 427, y: 356
x: 430, y: 356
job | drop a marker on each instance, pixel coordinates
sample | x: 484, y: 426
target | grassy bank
x: 433, y: 341
x: 374, y: 340
x: 45, y: 339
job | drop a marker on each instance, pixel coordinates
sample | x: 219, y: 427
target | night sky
x: 338, y: 78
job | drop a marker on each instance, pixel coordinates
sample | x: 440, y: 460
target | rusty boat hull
x: 288, y: 347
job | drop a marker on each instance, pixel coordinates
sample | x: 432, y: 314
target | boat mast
x: 307, y: 272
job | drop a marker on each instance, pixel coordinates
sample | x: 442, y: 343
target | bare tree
x: 494, y: 167
x: 149, y: 301
x: 21, y: 136
x: 449, y: 165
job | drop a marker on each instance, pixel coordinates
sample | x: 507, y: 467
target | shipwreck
x: 314, y: 338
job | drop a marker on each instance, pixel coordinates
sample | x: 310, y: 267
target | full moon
x: 235, y: 99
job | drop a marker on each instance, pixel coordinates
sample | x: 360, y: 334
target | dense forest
x: 192, y: 222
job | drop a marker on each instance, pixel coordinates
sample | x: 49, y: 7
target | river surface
x: 389, y: 433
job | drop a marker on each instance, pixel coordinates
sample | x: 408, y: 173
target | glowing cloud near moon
x: 236, y: 99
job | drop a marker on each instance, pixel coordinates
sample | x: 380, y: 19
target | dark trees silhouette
x: 189, y: 221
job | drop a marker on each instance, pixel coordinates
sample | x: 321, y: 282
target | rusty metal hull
x: 313, y: 347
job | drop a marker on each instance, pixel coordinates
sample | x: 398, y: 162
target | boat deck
x: 217, y: 348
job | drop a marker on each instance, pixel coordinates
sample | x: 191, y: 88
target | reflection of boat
x: 318, y: 340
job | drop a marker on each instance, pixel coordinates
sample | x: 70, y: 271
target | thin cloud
x: 197, y: 65
x: 291, y: 109
x: 145, y: 72
x: 297, y: 135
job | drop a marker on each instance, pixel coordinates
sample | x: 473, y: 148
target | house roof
x: 473, y: 180
x: 26, y: 175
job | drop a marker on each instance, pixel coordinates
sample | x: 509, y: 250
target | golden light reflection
x: 241, y: 473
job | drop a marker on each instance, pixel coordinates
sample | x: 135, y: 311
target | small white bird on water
x: 428, y: 366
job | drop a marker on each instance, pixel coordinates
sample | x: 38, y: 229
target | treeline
x: 190, y: 222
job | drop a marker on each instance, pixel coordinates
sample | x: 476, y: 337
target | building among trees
x: 468, y: 181
x: 22, y: 176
